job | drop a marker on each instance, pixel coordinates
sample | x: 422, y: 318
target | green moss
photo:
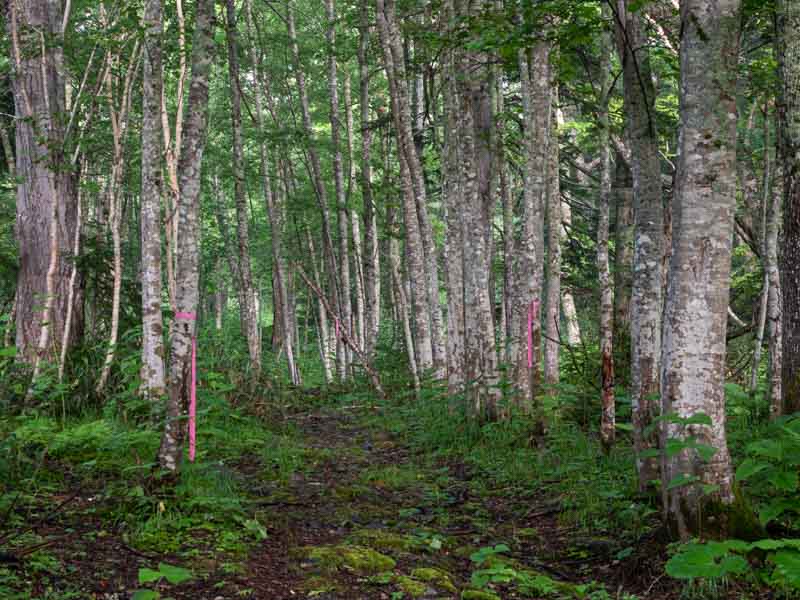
x: 385, y: 541
x: 436, y: 577
x: 478, y: 595
x: 364, y: 561
x: 314, y: 586
x: 737, y: 520
x: 348, y: 493
x: 412, y: 587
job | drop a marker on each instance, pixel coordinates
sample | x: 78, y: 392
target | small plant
x: 172, y: 574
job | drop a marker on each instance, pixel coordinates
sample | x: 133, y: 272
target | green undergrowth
x: 102, y: 468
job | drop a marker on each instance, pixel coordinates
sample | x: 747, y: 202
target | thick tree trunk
x: 789, y: 119
x: 46, y: 192
x: 248, y: 291
x: 646, y: 297
x: 693, y: 348
x: 188, y: 255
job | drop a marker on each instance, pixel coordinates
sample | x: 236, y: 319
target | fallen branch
x: 345, y: 335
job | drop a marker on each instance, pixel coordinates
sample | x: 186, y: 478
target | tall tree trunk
x: 248, y: 291
x: 372, y: 276
x: 789, y: 121
x: 153, y: 380
x: 646, y: 297
x: 412, y: 186
x: 607, y: 418
x: 552, y: 307
x: 188, y: 255
x: 693, y: 348
x: 46, y: 190
x: 473, y: 131
x: 535, y: 74
x: 345, y: 305
x: 774, y: 309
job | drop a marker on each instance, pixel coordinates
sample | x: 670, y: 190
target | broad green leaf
x: 748, y: 468
x: 149, y: 576
x: 772, y: 511
x: 145, y: 595
x: 787, y: 566
x: 786, y: 481
x: 173, y: 574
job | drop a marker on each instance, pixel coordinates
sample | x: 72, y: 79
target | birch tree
x: 153, y: 380
x: 646, y: 298
x: 187, y: 276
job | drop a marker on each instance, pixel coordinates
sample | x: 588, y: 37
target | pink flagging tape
x: 188, y: 316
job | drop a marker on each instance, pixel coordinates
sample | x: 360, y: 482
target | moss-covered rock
x: 359, y: 559
x: 383, y: 540
x: 478, y: 595
x: 410, y: 586
x: 435, y: 577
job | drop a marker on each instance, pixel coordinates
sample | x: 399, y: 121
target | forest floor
x: 356, y: 513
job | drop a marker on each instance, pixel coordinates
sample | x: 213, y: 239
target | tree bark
x: 646, y: 296
x: 789, y: 121
x: 535, y: 74
x: 152, y: 374
x: 188, y: 255
x: 46, y: 189
x: 607, y: 418
x: 693, y: 347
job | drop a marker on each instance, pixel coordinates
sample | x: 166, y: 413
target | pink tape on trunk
x: 187, y: 316
x: 336, y: 320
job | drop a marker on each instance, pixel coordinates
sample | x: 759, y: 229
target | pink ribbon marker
x: 188, y: 316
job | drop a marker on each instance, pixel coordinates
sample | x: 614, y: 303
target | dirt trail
x: 375, y: 521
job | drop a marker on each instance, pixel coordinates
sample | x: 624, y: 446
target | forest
x: 395, y: 299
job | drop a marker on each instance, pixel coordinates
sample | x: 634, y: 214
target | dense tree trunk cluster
x: 450, y: 191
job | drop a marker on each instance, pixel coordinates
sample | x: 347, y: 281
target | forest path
x: 372, y: 519
x: 323, y: 503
